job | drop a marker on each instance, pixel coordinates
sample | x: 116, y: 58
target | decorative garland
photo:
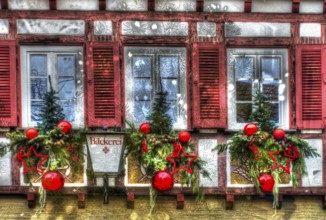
x: 263, y: 155
x: 163, y: 156
x: 48, y: 154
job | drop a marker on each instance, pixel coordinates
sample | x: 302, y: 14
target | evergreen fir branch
x: 262, y: 112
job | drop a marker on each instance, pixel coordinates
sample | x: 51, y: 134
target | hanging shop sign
x: 106, y: 152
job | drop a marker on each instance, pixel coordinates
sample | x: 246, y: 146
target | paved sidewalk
x: 65, y: 207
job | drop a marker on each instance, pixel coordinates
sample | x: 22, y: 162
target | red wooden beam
x: 53, y: 4
x: 130, y: 200
x: 151, y: 5
x: 180, y: 201
x: 4, y: 4
x: 324, y: 6
x: 200, y: 5
x: 102, y: 5
x: 247, y: 6
x: 31, y: 200
x: 81, y: 200
x: 229, y: 203
x: 295, y: 6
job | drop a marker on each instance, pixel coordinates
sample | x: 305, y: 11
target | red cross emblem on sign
x: 106, y: 150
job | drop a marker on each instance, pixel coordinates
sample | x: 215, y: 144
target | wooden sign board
x: 106, y: 152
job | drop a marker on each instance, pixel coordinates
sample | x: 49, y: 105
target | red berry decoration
x: 65, y: 126
x: 52, y: 181
x: 31, y: 133
x: 145, y: 127
x: 163, y: 180
x: 279, y: 133
x: 184, y: 136
x: 250, y: 129
x: 266, y: 182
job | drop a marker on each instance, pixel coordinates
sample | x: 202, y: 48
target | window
x: 250, y: 70
x: 65, y: 67
x: 148, y: 69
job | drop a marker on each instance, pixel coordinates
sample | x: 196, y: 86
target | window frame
x: 258, y: 54
x: 156, y: 53
x: 52, y: 53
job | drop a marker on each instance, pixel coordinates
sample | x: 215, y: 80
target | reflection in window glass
x: 66, y: 84
x: 270, y: 68
x: 36, y: 107
x: 142, y: 69
x: 38, y: 65
x: 244, y: 69
x: 169, y: 79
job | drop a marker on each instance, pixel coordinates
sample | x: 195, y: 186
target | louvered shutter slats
x: 309, y: 87
x: 8, y: 108
x: 104, y: 90
x: 209, y: 87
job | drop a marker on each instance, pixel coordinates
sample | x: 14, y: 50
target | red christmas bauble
x: 163, y: 180
x: 266, y: 182
x: 279, y: 133
x: 52, y: 181
x: 184, y: 136
x: 31, y: 133
x: 145, y: 127
x: 65, y: 126
x: 250, y: 129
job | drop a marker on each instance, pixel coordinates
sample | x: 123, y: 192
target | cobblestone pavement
x: 65, y: 207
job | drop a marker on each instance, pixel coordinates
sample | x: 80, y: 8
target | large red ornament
x: 65, y: 126
x: 176, y: 154
x: 31, y: 133
x: 52, y: 181
x: 250, y: 129
x: 279, y: 133
x: 266, y: 182
x: 21, y: 156
x: 163, y: 180
x: 184, y: 136
x: 145, y: 128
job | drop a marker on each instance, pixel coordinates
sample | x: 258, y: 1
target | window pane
x: 38, y: 65
x: 38, y: 87
x: 244, y: 90
x: 143, y: 89
x: 169, y: 66
x: 142, y: 66
x: 170, y: 86
x: 142, y: 111
x: 172, y: 112
x: 270, y: 68
x: 35, y: 110
x: 275, y: 112
x: 68, y: 109
x: 66, y: 88
x: 244, y: 67
x: 66, y: 65
x: 243, y: 112
x: 271, y: 91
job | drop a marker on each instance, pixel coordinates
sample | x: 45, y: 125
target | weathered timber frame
x: 191, y: 17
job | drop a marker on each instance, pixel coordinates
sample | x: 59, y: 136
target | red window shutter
x: 104, y: 104
x: 8, y: 94
x: 209, y: 95
x: 309, y: 87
